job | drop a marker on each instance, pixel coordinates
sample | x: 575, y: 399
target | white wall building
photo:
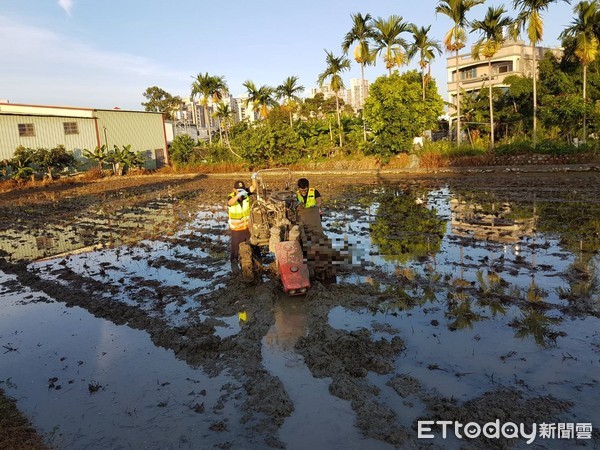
x: 193, y: 114
x: 354, y: 96
x: 357, y: 93
x: 514, y: 58
x: 326, y: 91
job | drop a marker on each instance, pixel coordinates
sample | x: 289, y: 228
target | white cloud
x: 67, y: 5
x: 49, y: 68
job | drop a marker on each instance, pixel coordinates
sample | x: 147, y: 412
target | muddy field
x: 465, y: 297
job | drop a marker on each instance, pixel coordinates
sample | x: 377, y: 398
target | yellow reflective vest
x: 311, y: 201
x: 239, y: 214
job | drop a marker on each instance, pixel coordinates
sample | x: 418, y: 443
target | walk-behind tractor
x: 280, y: 225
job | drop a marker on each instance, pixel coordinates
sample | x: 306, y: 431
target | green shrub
x: 41, y: 162
x: 556, y: 148
x: 466, y: 151
x: 517, y: 147
x: 319, y: 146
x: 265, y: 145
x: 591, y: 146
x: 546, y: 147
x: 448, y: 149
x: 219, y: 153
x: 181, y: 151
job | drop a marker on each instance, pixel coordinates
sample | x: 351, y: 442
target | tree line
x: 559, y: 101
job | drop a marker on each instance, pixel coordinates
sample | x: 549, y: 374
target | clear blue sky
x: 105, y: 53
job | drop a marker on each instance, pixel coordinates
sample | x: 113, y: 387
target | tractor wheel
x: 246, y: 262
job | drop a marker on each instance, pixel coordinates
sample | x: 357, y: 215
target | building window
x: 468, y: 74
x: 26, y: 130
x: 504, y: 67
x: 71, y: 127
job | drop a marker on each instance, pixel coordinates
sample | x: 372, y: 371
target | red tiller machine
x: 292, y: 268
x: 275, y: 225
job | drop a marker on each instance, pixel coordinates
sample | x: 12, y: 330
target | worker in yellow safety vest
x: 238, y: 203
x: 307, y: 196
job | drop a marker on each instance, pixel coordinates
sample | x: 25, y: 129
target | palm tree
x: 261, y: 98
x: 289, y: 91
x: 492, y: 38
x: 584, y: 29
x: 225, y: 115
x: 426, y: 48
x: 335, y: 66
x: 361, y: 32
x: 388, y: 41
x: 455, y: 39
x: 530, y: 19
x: 209, y: 87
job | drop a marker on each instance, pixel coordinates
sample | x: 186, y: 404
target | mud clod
x: 405, y: 385
x: 331, y: 351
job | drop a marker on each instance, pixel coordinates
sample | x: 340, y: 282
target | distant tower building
x: 192, y: 112
x: 355, y: 96
x: 243, y: 111
x: 183, y: 120
x: 357, y: 93
x: 326, y: 91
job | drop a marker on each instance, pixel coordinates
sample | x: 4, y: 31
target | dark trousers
x: 237, y: 237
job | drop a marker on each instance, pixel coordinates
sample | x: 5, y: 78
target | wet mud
x: 443, y: 311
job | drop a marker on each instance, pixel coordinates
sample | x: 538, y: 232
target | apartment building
x: 357, y: 93
x: 354, y: 96
x: 514, y: 58
x: 327, y: 92
x: 193, y: 115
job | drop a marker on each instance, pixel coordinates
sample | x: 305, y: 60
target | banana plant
x: 99, y: 154
x: 22, y: 163
x: 122, y: 158
x: 118, y: 157
x: 21, y: 171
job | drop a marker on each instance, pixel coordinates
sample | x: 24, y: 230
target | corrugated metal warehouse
x: 34, y: 126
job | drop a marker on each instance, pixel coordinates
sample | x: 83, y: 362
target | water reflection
x: 490, y: 283
x: 146, y: 397
x: 537, y: 324
x: 413, y: 246
x: 405, y: 228
x: 535, y: 293
x: 583, y: 281
x: 491, y: 221
x: 462, y: 314
x: 98, y: 229
x: 290, y: 323
x: 484, y: 252
x: 494, y: 306
x: 575, y: 222
x: 30, y: 245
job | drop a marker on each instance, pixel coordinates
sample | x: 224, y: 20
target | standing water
x: 453, y: 304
